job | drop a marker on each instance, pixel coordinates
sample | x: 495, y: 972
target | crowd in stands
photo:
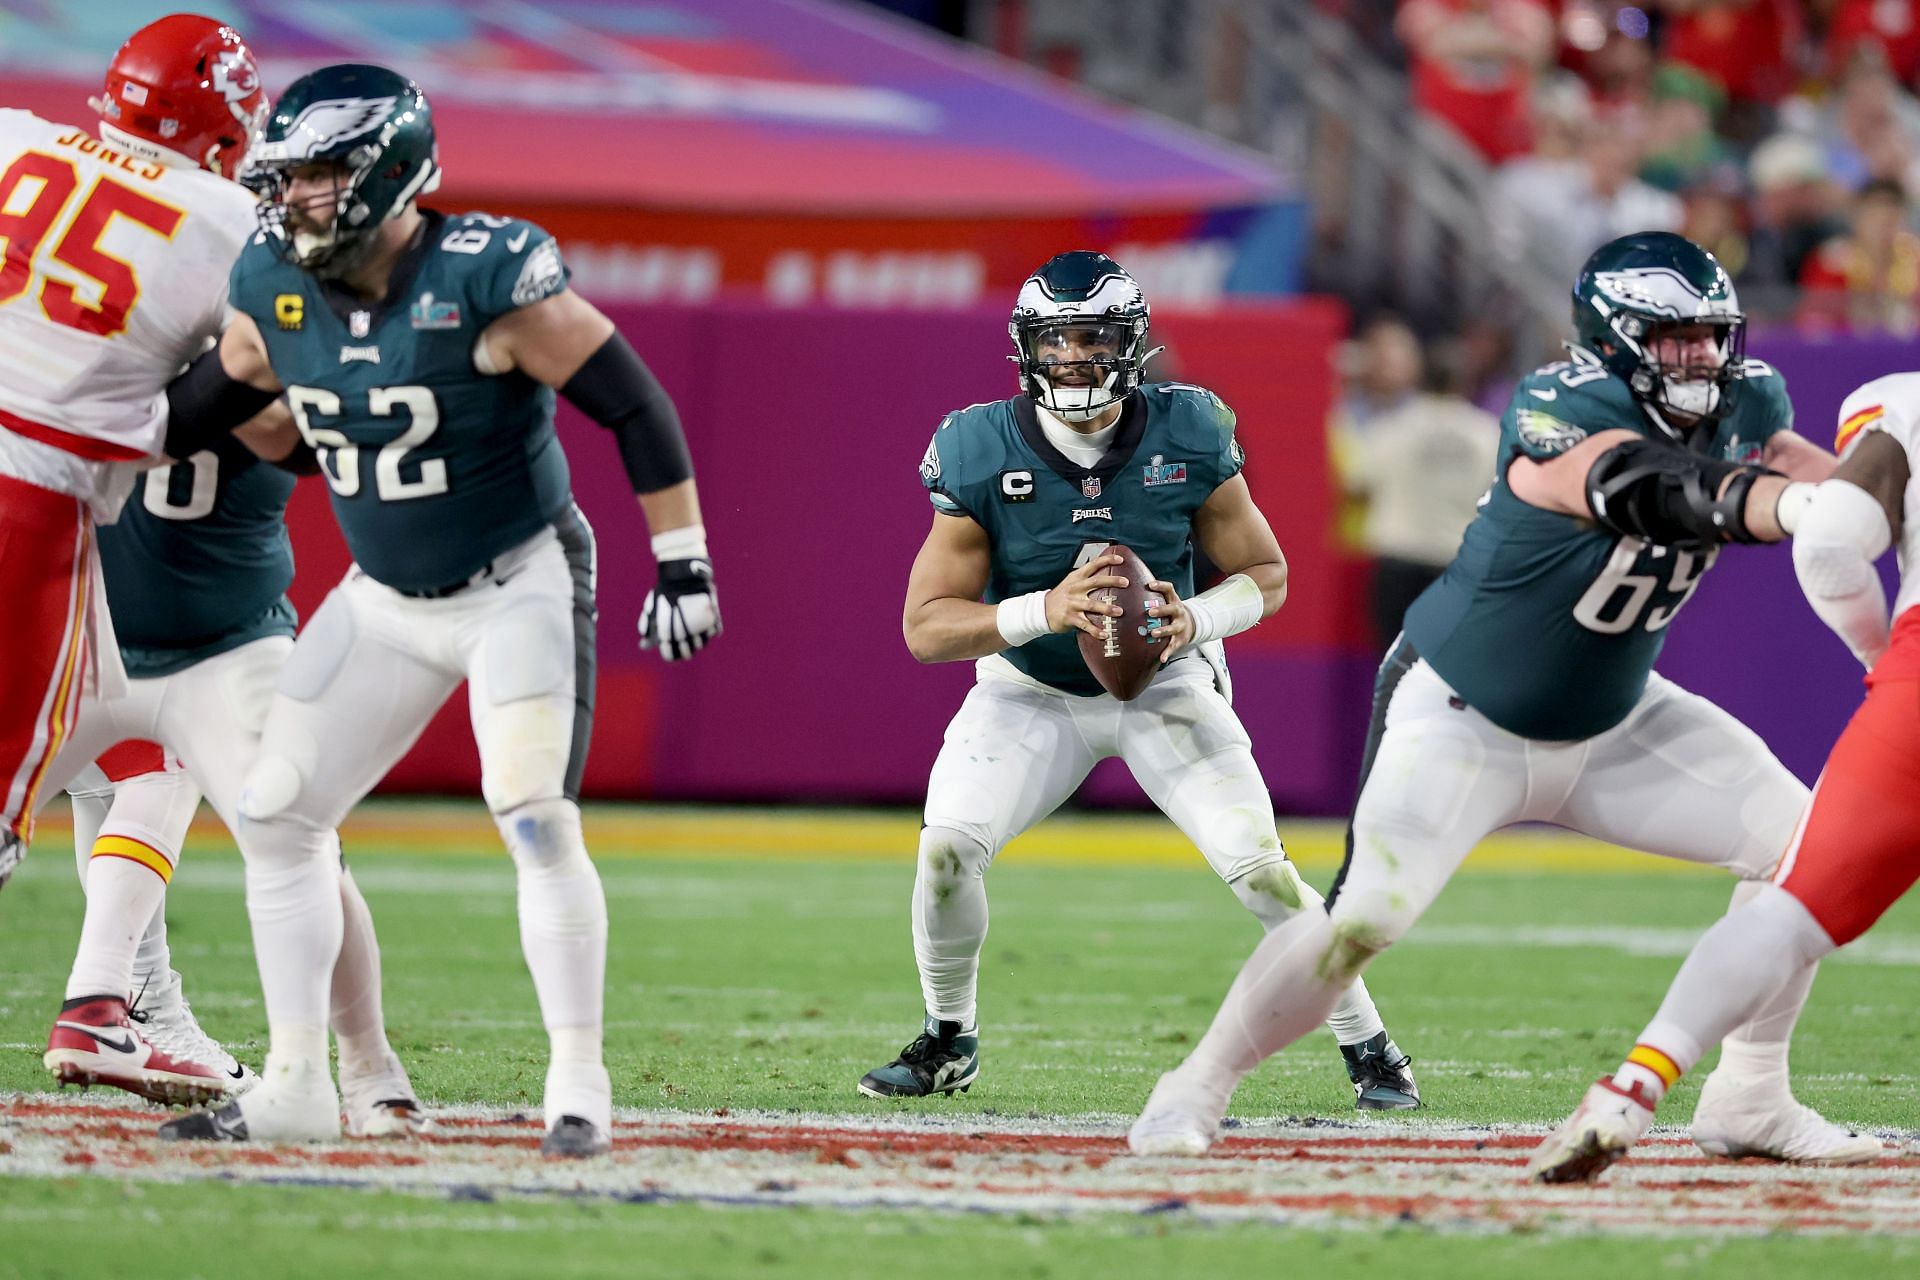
x: 1783, y: 134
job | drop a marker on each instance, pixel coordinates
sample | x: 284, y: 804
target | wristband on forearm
x: 1227, y: 609
x: 1022, y: 618
x: 689, y: 542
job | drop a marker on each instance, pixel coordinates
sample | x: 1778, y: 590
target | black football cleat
x: 1380, y: 1075
x: 575, y: 1138
x: 940, y: 1060
x: 223, y: 1125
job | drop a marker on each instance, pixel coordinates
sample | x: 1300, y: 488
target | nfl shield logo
x: 359, y: 323
x: 1090, y: 487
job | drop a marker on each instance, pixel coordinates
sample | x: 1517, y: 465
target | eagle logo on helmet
x: 326, y: 123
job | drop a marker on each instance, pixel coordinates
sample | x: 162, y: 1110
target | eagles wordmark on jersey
x: 1044, y: 514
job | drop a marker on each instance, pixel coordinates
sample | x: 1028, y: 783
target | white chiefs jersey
x: 115, y: 277
x: 1892, y: 405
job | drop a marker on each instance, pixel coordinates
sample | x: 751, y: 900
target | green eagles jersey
x: 1548, y: 624
x: 199, y: 560
x: 434, y: 467
x: 1044, y: 513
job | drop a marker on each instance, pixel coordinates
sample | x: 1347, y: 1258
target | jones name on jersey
x: 1044, y: 513
x: 433, y: 468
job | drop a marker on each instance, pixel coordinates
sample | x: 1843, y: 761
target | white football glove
x: 682, y: 612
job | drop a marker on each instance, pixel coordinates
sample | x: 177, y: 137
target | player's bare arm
x: 1644, y: 478
x: 1797, y: 458
x: 1848, y: 524
x: 564, y: 342
x: 945, y: 621
x: 551, y: 341
x: 1236, y: 538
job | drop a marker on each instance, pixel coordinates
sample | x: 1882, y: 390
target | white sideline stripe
x: 731, y: 900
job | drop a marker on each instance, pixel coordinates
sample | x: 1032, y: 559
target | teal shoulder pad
x: 1558, y: 405
x: 1200, y: 421
x: 1764, y: 407
x: 258, y: 276
x: 966, y: 452
x: 509, y: 263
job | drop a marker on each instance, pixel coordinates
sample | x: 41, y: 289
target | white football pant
x: 369, y: 671
x: 1017, y: 749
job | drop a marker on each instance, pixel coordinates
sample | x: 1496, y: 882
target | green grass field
x: 763, y: 962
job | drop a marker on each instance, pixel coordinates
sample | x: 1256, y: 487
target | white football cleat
x: 381, y: 1103
x: 290, y: 1104
x: 166, y: 1020
x: 1607, y: 1122
x: 1737, y: 1118
x: 1181, y: 1118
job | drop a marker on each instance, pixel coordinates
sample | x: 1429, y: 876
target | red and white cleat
x: 1607, y: 1122
x: 93, y: 1042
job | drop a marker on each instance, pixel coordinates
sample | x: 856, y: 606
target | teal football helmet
x: 376, y: 126
x: 1080, y: 305
x: 1639, y: 287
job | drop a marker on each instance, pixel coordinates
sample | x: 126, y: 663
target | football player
x: 116, y: 251
x: 420, y: 354
x: 1028, y: 495
x: 1522, y: 687
x: 1857, y: 849
x: 196, y: 572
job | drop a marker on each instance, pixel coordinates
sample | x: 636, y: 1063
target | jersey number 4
x: 53, y: 184
x: 1619, y: 597
x: 340, y: 457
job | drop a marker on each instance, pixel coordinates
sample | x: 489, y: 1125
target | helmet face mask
x: 1661, y: 314
x: 372, y: 130
x: 1079, y: 332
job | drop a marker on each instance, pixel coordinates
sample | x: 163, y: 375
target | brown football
x: 1123, y: 660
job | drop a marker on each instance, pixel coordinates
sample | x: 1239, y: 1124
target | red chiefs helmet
x: 188, y: 84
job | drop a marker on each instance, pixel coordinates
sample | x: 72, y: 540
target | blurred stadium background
x: 810, y: 217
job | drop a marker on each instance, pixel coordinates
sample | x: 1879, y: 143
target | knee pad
x: 1364, y: 925
x: 948, y: 858
x: 543, y: 835
x: 272, y: 785
x: 1274, y: 893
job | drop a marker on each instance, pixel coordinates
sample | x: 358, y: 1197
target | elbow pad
x: 204, y: 405
x: 619, y: 392
x: 1667, y: 495
x: 1843, y: 531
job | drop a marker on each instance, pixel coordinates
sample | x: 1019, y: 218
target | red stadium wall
x: 807, y: 428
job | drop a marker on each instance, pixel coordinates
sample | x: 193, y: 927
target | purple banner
x: 1748, y: 640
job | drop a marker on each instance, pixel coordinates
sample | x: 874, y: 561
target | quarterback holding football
x: 1030, y: 496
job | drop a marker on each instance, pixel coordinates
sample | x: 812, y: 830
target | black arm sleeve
x: 619, y: 392
x: 1650, y: 490
x: 204, y: 404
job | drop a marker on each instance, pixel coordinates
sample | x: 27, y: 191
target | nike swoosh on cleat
x: 237, y: 1072
x: 124, y: 1045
